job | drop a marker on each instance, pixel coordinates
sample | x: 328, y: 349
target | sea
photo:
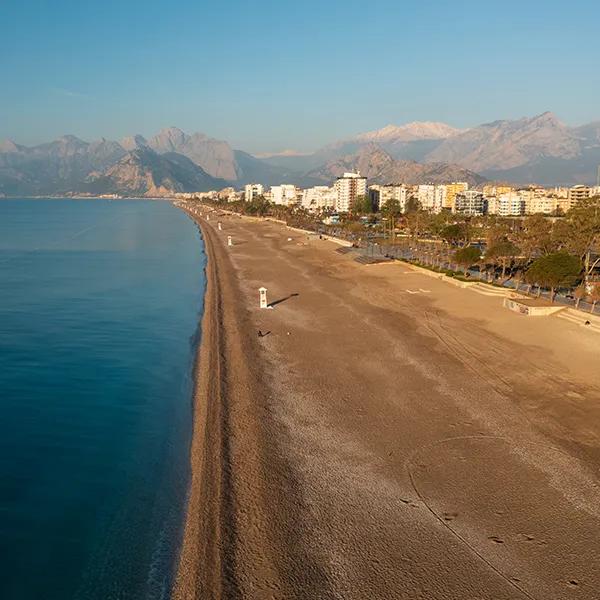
x: 100, y: 303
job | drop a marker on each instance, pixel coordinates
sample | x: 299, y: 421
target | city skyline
x: 269, y: 77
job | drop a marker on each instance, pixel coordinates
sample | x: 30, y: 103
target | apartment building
x: 470, y: 202
x: 456, y: 187
x: 252, y: 190
x: 511, y: 204
x: 319, y: 198
x: 563, y: 205
x: 380, y: 195
x: 285, y: 195
x: 348, y: 188
x: 578, y: 193
x: 560, y: 192
x: 432, y: 197
x: 541, y: 205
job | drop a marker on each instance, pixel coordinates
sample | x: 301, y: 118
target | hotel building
x: 348, y: 188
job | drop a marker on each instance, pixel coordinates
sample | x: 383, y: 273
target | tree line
x: 547, y: 253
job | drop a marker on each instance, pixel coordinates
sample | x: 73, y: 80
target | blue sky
x: 273, y: 75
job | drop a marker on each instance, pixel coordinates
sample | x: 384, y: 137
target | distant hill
x: 216, y: 157
x: 70, y: 165
x: 380, y: 167
x: 509, y: 144
x: 539, y: 149
x: 144, y: 172
x: 412, y: 141
x: 53, y: 168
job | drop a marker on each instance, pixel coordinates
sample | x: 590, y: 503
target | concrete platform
x: 532, y: 307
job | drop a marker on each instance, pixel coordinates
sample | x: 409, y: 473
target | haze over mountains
x: 538, y: 149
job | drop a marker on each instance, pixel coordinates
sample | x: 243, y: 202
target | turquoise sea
x: 99, y: 308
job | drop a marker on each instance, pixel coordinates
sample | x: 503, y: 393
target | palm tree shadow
x: 275, y: 302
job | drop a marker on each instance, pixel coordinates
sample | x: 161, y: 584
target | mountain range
x: 539, y: 149
x: 380, y: 167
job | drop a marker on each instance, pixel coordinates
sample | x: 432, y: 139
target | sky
x: 268, y: 76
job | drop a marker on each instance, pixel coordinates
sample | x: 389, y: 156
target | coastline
x: 202, y: 511
x: 233, y: 544
x: 321, y: 454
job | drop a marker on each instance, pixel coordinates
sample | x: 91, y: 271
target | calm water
x: 99, y: 305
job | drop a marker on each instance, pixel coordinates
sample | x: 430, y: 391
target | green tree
x: 496, y: 231
x: 501, y: 253
x: 583, y: 230
x: 390, y: 212
x: 391, y: 208
x: 456, y: 234
x: 554, y: 270
x: 257, y: 206
x: 467, y: 257
x: 535, y: 237
x: 437, y: 223
x: 362, y: 205
x: 414, y: 222
x: 412, y: 205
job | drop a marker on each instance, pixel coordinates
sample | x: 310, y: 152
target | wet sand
x: 391, y: 437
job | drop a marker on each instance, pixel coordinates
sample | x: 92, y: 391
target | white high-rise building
x: 252, y: 190
x: 432, y: 197
x: 318, y: 198
x: 348, y: 188
x: 285, y: 194
x: 426, y: 196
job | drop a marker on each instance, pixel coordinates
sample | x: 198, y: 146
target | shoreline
x: 186, y: 571
x: 231, y: 545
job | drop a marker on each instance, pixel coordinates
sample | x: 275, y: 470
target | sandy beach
x: 392, y: 436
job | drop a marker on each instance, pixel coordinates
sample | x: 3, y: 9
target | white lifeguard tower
x: 262, y: 295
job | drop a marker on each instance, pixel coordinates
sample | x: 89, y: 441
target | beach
x: 387, y: 436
